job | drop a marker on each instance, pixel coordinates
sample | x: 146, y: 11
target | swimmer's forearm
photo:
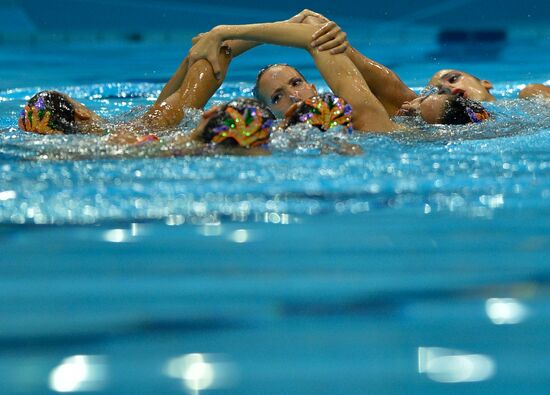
x: 278, y: 33
x: 175, y: 81
x: 346, y: 81
x: 383, y: 82
x: 238, y: 47
x: 194, y: 91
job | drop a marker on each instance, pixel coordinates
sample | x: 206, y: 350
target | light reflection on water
x: 506, y: 311
x: 453, y: 366
x: 79, y: 373
x: 200, y: 372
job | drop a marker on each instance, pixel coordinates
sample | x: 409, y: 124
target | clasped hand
x: 328, y: 37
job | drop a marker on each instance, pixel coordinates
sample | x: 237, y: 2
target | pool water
x: 421, y: 266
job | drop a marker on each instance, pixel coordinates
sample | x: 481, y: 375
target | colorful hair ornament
x: 248, y: 129
x: 327, y: 111
x: 36, y: 119
x: 477, y: 117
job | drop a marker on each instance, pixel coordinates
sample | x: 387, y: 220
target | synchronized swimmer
x: 365, y: 94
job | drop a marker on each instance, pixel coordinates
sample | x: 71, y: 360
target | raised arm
x: 331, y: 42
x: 383, y: 82
x: 338, y: 70
x: 196, y: 88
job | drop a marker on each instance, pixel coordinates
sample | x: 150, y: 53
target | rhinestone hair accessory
x: 325, y: 112
x: 477, y: 117
x: 36, y: 119
x: 248, y: 129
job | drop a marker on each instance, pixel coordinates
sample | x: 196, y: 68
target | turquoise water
x: 421, y: 266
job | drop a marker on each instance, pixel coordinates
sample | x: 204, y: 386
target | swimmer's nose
x: 459, y: 92
x: 294, y: 98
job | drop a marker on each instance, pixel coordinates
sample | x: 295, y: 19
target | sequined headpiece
x: 477, y: 116
x: 325, y: 112
x: 36, y: 118
x: 247, y: 126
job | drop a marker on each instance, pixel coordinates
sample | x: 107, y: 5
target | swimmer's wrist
x: 222, y: 32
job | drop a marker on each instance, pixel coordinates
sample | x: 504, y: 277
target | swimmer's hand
x: 408, y: 109
x: 207, y: 46
x: 329, y: 37
x: 310, y: 16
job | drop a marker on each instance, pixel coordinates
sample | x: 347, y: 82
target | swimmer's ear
x: 313, y: 87
x: 212, y: 111
x: 487, y: 84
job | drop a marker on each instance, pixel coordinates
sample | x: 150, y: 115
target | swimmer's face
x: 473, y: 87
x: 431, y: 107
x: 281, y: 86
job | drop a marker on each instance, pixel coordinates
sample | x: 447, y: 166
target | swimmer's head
x: 51, y: 112
x: 48, y: 112
x: 445, y: 108
x: 279, y: 86
x: 323, y: 111
x: 474, y: 88
x: 241, y: 122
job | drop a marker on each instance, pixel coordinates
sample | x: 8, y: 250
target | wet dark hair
x: 341, y: 112
x: 458, y: 110
x: 62, y: 113
x: 256, y: 89
x: 221, y: 118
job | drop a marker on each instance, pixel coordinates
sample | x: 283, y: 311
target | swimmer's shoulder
x: 535, y: 90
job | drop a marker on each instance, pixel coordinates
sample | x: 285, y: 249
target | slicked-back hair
x: 456, y: 110
x: 219, y: 118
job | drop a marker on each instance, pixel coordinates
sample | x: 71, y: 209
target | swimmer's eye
x: 275, y: 98
x: 453, y: 79
x: 296, y: 82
